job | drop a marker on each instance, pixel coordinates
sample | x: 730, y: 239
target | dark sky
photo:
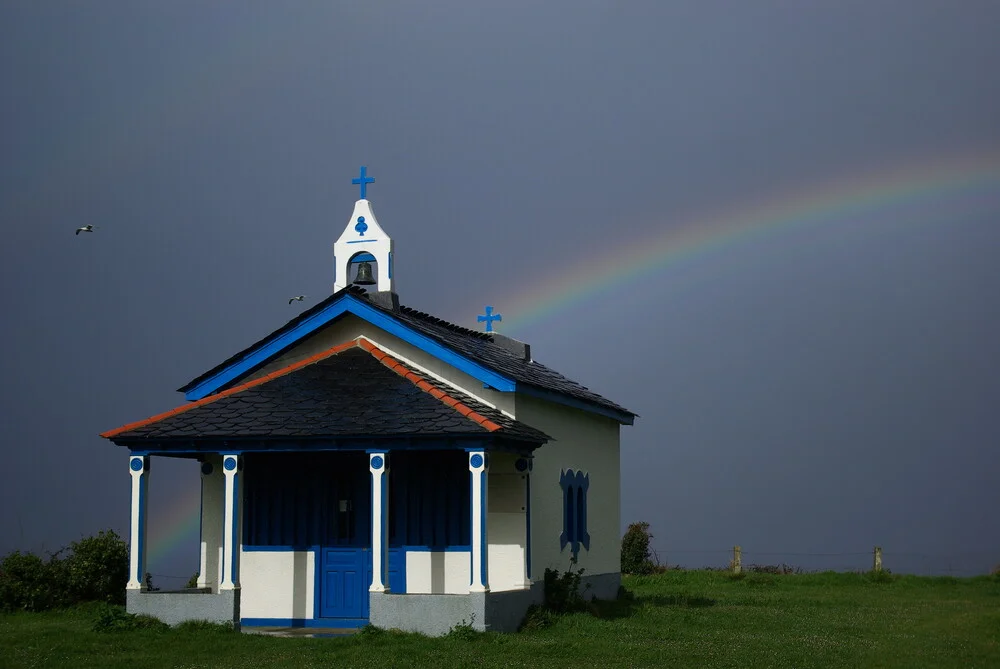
x: 818, y: 389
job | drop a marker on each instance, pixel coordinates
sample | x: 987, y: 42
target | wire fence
x: 959, y: 563
x: 967, y: 563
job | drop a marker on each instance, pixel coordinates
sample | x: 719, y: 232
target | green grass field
x: 677, y: 619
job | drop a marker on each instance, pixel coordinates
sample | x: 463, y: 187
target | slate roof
x: 480, y: 347
x: 354, y: 389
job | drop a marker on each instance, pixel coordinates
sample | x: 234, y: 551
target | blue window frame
x: 574, y: 486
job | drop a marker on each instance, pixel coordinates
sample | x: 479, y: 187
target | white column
x: 231, y: 523
x: 139, y: 469
x: 212, y: 508
x: 478, y: 468
x: 378, y: 465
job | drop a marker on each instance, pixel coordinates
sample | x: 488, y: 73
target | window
x: 574, y: 486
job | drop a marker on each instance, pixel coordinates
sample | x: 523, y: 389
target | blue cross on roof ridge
x: 363, y: 181
x: 489, y: 318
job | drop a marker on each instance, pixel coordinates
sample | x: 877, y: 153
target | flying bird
x: 86, y: 228
x: 297, y: 298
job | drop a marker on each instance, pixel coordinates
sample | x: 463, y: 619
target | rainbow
x: 937, y: 180
x: 175, y: 527
x: 542, y: 298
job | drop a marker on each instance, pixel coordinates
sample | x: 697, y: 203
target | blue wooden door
x: 344, y: 580
x: 345, y: 576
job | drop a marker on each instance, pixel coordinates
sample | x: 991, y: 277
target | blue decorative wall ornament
x: 135, y: 465
x: 476, y: 460
x: 229, y: 464
x: 363, y: 181
x: 521, y: 464
x: 489, y: 318
x: 575, y: 486
x: 207, y: 468
x: 361, y: 226
x: 377, y: 462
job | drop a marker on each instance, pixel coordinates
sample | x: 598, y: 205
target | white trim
x: 426, y: 372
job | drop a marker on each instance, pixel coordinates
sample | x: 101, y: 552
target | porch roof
x: 353, y: 389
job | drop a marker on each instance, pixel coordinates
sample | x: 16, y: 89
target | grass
x: 677, y: 619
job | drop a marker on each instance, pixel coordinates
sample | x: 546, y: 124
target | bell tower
x: 363, y: 254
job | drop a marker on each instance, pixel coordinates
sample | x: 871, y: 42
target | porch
x: 418, y: 539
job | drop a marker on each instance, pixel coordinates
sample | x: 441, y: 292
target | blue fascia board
x: 566, y: 400
x: 347, y: 304
x: 457, y: 442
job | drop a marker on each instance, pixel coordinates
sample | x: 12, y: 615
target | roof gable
x: 477, y: 354
x: 343, y: 302
x: 350, y: 390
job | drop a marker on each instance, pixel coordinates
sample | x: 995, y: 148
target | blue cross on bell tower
x: 489, y: 318
x: 363, y: 181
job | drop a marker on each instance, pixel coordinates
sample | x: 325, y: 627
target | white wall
x: 212, y: 512
x: 438, y: 572
x: 277, y: 584
x: 506, y: 523
x: 583, y: 442
x: 350, y: 327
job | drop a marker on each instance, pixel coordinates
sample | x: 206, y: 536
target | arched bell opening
x: 362, y: 270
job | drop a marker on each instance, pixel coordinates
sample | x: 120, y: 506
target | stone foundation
x: 175, y: 607
x: 435, y: 615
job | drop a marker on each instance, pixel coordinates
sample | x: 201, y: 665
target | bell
x: 365, y: 276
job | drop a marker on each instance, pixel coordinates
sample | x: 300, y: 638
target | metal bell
x: 365, y: 276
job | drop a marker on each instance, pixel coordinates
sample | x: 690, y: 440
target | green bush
x: 636, y: 554
x: 96, y: 569
x: 562, y: 591
x: 464, y: 631
x: 29, y: 583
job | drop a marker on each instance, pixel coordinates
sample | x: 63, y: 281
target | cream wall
x: 277, y: 584
x: 506, y: 524
x: 438, y: 572
x: 582, y: 442
x: 350, y: 327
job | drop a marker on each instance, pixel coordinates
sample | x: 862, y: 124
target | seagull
x: 86, y: 228
x: 297, y: 298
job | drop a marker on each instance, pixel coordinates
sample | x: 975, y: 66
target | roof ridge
x: 434, y: 320
x: 410, y: 375
x: 334, y: 350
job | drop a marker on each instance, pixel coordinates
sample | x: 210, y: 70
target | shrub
x: 98, y: 569
x: 193, y: 581
x: 562, y: 591
x: 636, y: 554
x: 464, y: 631
x: 29, y: 583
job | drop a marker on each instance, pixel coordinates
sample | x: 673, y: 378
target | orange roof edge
x: 411, y: 376
x: 334, y: 350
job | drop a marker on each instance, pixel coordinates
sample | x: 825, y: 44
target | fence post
x: 737, y: 559
x: 877, y: 565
